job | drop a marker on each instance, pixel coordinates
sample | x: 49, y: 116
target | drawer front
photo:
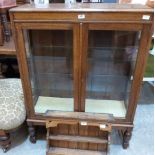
x: 83, y: 17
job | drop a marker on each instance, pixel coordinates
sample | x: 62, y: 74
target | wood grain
x: 144, y: 46
x: 64, y: 151
x: 73, y: 130
x: 87, y: 7
x: 80, y: 115
x: 77, y: 139
x: 97, y: 17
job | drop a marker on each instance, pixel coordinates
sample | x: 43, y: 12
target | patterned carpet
x: 141, y: 143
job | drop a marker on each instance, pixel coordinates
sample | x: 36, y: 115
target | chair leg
x: 5, y: 141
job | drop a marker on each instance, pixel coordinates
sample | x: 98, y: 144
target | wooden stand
x: 77, y: 137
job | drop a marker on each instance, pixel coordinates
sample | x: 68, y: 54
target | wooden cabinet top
x: 85, y: 7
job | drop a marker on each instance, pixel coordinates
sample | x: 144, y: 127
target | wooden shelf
x: 65, y: 151
x: 8, y: 48
x: 78, y: 139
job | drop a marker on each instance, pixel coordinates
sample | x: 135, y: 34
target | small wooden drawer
x: 77, y: 136
x: 81, y: 16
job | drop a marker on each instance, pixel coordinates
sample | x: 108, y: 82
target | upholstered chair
x: 12, y: 109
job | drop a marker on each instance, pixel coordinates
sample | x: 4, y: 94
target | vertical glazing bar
x: 84, y: 62
x: 76, y: 66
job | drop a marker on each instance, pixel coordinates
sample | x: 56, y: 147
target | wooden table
x: 8, y: 48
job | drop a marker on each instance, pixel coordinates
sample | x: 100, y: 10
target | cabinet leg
x: 108, y: 145
x: 5, y: 141
x: 126, y: 138
x: 32, y: 134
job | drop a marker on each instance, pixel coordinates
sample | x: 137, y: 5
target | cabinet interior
x: 111, y: 57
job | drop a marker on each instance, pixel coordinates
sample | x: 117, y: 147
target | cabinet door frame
x: 23, y: 65
x: 146, y: 31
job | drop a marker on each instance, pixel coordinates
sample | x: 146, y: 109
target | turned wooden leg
x: 108, y: 145
x: 126, y: 138
x: 5, y: 141
x: 32, y: 134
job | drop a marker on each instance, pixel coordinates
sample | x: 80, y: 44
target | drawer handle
x: 81, y: 16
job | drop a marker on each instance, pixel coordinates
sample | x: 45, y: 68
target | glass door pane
x: 111, y: 59
x: 50, y: 64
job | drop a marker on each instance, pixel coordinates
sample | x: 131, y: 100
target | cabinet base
x: 125, y: 130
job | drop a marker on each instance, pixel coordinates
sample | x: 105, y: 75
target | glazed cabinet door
x: 51, y: 65
x: 110, y: 58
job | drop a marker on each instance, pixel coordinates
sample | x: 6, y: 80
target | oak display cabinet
x: 82, y: 62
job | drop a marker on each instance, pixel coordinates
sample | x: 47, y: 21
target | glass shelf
x: 43, y: 104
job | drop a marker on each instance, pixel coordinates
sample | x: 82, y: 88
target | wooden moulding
x: 80, y: 116
x: 102, y: 126
x: 93, y: 13
x: 91, y: 17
